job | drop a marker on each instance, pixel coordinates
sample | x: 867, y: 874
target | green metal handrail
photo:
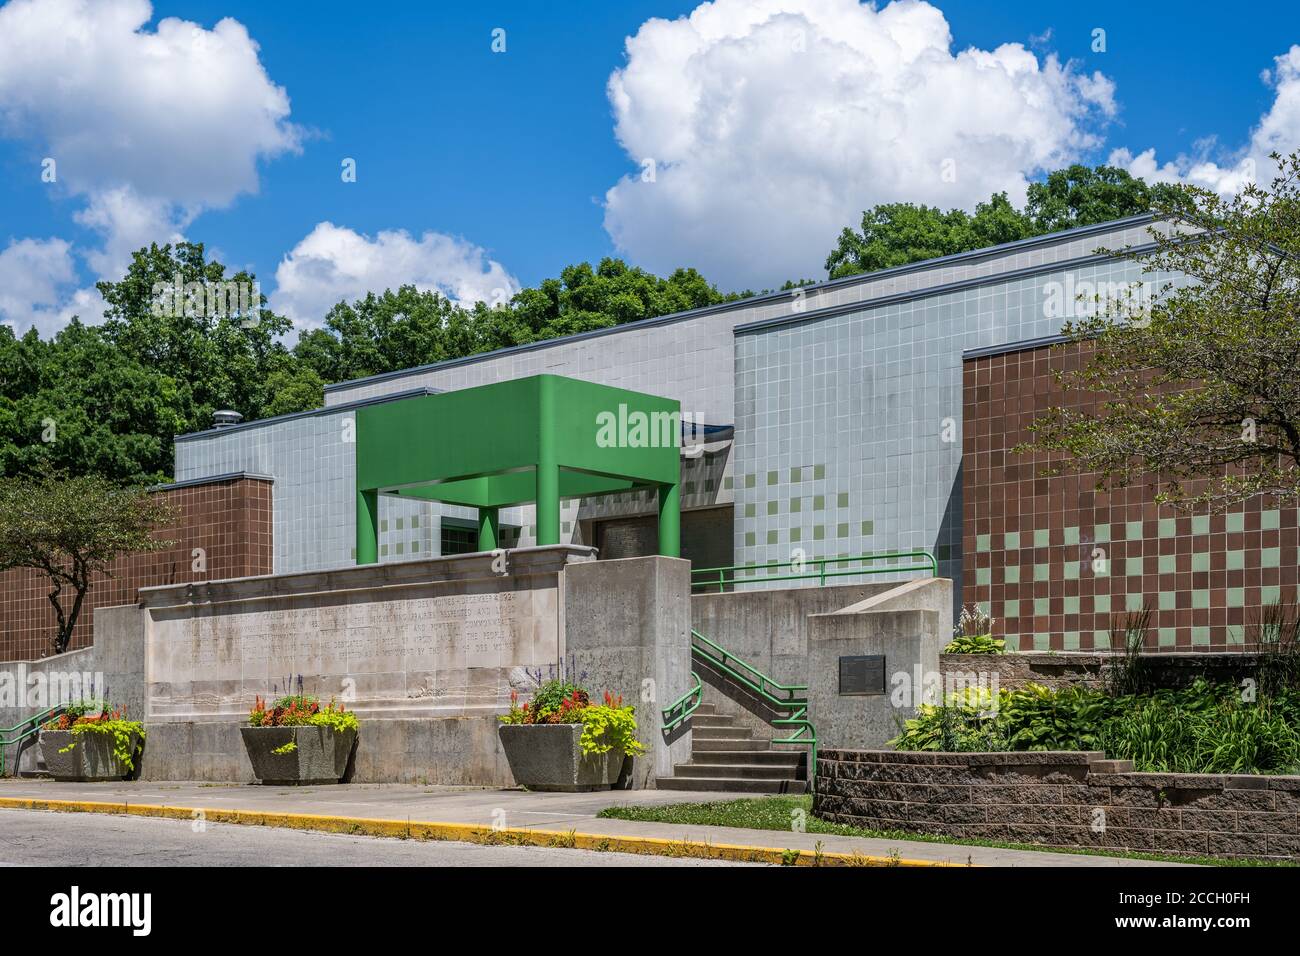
x: 765, y: 687
x: 682, y: 707
x: 22, y: 730
x: 759, y: 682
x: 711, y: 577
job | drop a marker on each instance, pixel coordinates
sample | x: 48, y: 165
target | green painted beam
x: 538, y: 439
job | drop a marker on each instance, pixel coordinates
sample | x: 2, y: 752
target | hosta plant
x: 973, y: 634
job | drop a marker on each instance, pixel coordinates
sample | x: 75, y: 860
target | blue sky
x: 506, y: 158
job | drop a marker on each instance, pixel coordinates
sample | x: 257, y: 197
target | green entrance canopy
x: 537, y: 439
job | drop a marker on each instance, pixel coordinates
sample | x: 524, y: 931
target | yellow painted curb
x: 469, y: 833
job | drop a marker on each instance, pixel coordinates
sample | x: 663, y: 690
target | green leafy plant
x: 1198, y: 729
x: 605, y: 727
x: 288, y: 748
x: 1127, y: 675
x: 93, y: 716
x: 975, y: 644
x: 302, y: 711
x: 1276, y: 633
x: 609, y: 726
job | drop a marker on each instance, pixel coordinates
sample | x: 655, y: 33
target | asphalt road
x: 41, y: 838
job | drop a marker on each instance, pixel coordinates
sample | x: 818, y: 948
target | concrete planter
x: 547, y: 757
x: 85, y: 757
x: 320, y: 754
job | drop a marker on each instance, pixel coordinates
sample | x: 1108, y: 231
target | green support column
x: 487, y: 528
x: 367, y: 527
x: 548, y: 467
x: 670, y: 521
x: 548, y: 504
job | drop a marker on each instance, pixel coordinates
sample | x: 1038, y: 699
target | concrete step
x: 699, y: 721
x: 776, y: 758
x: 749, y: 771
x: 720, y: 732
x: 705, y: 745
x: 706, y: 710
x: 731, y: 784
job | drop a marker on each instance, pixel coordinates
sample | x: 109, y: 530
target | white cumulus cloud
x: 34, y: 274
x: 333, y: 264
x: 148, y: 127
x: 763, y: 127
x: 1278, y: 131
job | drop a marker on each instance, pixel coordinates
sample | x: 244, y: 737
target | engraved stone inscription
x: 448, y: 653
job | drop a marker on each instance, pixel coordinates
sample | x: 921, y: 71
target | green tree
x: 217, y: 355
x: 388, y: 331
x: 584, y: 298
x: 1198, y: 392
x: 895, y: 234
x: 76, y: 403
x: 395, y: 330
x: 71, y: 530
x: 1084, y: 196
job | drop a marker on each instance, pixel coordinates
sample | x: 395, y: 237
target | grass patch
x: 780, y: 813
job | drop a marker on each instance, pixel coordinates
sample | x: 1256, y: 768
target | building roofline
x: 211, y: 480
x: 309, y: 413
x: 816, y: 315
x: 1024, y: 345
x: 969, y: 256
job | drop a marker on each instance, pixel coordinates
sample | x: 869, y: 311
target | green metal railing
x: 20, y: 732
x: 722, y: 578
x: 684, y: 706
x: 787, y: 697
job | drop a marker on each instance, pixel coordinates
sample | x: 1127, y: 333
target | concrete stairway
x: 730, y: 758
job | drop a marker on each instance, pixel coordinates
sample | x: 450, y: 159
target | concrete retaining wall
x: 112, y: 669
x: 769, y: 629
x: 426, y: 653
x: 627, y: 626
x: 1065, y: 799
x: 906, y: 626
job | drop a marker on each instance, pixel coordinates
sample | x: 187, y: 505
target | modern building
x: 837, y: 410
x: 869, y: 414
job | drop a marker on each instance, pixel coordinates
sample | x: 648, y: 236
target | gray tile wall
x: 314, y: 467
x: 848, y: 428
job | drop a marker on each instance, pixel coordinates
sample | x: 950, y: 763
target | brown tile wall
x: 230, y: 520
x: 1204, y: 577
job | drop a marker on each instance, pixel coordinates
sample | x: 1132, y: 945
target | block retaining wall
x: 1068, y: 669
x: 1065, y: 799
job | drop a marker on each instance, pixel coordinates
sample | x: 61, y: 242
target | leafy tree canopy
x: 1197, y: 383
x: 71, y: 530
x: 896, y: 234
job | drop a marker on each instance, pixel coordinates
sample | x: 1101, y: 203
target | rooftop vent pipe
x: 225, y: 418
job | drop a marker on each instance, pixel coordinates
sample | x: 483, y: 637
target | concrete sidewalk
x: 450, y: 812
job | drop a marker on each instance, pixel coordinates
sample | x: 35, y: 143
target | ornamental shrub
x: 302, y: 711
x: 605, y: 727
x: 94, y: 716
x: 1198, y: 729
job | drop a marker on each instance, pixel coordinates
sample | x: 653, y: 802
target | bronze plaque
x: 862, y: 676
